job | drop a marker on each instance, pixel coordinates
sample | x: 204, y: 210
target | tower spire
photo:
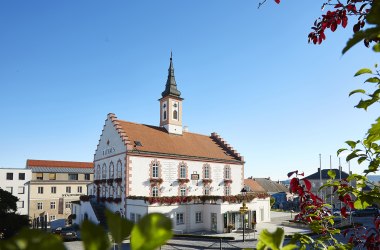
x: 171, y: 85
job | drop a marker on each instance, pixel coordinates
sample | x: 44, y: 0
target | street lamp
x: 243, y: 210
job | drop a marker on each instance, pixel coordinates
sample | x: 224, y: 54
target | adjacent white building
x: 16, y: 181
x: 194, y: 179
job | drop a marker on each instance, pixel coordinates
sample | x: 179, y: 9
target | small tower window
x: 165, y: 115
x: 175, y: 115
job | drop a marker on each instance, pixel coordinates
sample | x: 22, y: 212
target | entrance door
x: 213, y: 222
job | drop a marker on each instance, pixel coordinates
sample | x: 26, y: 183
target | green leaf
x: 272, y: 240
x: 357, y: 91
x: 340, y: 151
x: 94, y: 236
x: 363, y: 71
x: 332, y: 174
x: 352, y: 155
x: 374, y: 131
x: 352, y: 144
x: 30, y: 239
x: 289, y: 247
x: 152, y: 231
x: 120, y: 228
x: 361, y: 159
x: 376, y: 47
x: 373, y: 16
x: 360, y: 203
x: 373, y: 80
x: 360, y: 35
x: 364, y: 104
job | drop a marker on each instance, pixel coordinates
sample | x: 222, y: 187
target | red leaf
x: 277, y: 1
x: 294, y: 185
x: 333, y: 26
x: 343, y: 211
x: 292, y: 173
x: 344, y: 21
x: 307, y: 184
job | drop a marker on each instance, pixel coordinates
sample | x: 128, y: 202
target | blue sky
x: 247, y: 74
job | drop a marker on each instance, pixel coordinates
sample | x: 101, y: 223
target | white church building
x: 193, y: 179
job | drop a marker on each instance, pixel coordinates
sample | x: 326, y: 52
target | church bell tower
x: 171, y: 104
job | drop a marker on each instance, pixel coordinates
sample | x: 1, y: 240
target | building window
x: 87, y: 177
x: 155, y: 171
x: 39, y: 205
x: 179, y: 219
x: 52, y: 176
x: 206, y: 171
x: 97, y: 173
x: 182, y: 172
x: 104, y: 171
x: 118, y: 169
x: 227, y: 172
x: 103, y: 191
x: 53, y: 190
x: 154, y: 191
x: 40, y: 190
x: 68, y: 190
x: 39, y: 176
x: 111, y: 171
x: 9, y: 189
x: 198, y: 217
x: 20, y: 204
x: 132, y: 217
x: 68, y: 204
x: 227, y: 190
x: 21, y: 176
x: 10, y: 176
x: 175, y: 114
x: 207, y: 191
x: 138, y: 217
x: 52, y: 217
x: 118, y: 192
x: 182, y: 191
x: 21, y: 190
x: 111, y: 191
x: 165, y: 115
x: 79, y: 189
x: 73, y: 177
x: 52, y: 205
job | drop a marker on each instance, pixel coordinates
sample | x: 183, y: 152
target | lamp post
x: 243, y: 210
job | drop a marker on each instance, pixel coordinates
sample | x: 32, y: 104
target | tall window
x: 39, y: 205
x: 207, y: 191
x: 155, y: 170
x: 10, y: 176
x: 175, y: 114
x: 68, y: 190
x: 111, y: 171
x: 182, y: 172
x: 104, y: 171
x: 87, y: 177
x: 182, y: 191
x: 227, y: 172
x: 179, y: 218
x: 21, y: 190
x: 21, y: 176
x: 52, y: 205
x: 97, y: 172
x: 53, y: 190
x: 118, y: 192
x: 198, y: 217
x: 118, y: 169
x: 111, y: 191
x: 155, y: 191
x: 227, y: 190
x: 68, y: 204
x: 79, y: 189
x: 207, y: 171
x: 40, y: 190
x: 165, y: 115
x: 103, y: 191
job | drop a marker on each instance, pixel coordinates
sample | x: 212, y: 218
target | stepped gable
x: 156, y: 141
x: 226, y: 146
x: 120, y: 131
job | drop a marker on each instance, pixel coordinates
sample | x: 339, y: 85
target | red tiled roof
x: 158, y: 140
x: 58, y: 164
x: 253, y: 185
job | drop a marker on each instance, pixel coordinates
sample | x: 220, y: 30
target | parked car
x: 68, y: 233
x: 369, y: 211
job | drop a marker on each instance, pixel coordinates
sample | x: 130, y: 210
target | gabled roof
x: 316, y: 175
x: 157, y: 141
x: 58, y: 164
x: 271, y: 186
x: 253, y: 186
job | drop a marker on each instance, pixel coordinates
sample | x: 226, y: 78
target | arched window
x: 104, y: 171
x: 155, y: 191
x: 165, y: 115
x: 98, y: 173
x: 175, y: 114
x: 118, y: 169
x: 111, y: 191
x: 182, y: 191
x: 118, y: 192
x: 206, y: 171
x: 111, y: 171
x: 182, y: 172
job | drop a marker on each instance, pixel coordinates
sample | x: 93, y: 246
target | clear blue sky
x: 247, y: 74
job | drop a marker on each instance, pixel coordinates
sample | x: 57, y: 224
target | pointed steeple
x: 171, y: 85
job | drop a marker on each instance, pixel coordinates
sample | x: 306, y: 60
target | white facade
x: 16, y: 181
